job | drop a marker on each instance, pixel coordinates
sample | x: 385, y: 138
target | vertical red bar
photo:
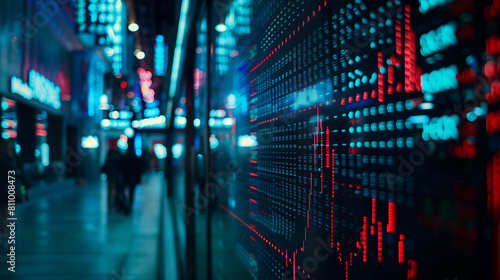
x: 346, y: 270
x: 493, y: 174
x: 399, y: 44
x: 379, y: 239
x: 374, y: 210
x: 327, y: 147
x: 401, y: 249
x: 390, y: 74
x: 333, y: 173
x: 496, y: 207
x: 333, y: 195
x: 413, y: 59
x: 412, y: 269
x: 322, y: 144
x: 365, y: 237
x: 391, y: 226
x: 380, y: 77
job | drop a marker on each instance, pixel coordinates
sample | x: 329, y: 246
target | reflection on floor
x: 227, y: 262
x: 70, y: 235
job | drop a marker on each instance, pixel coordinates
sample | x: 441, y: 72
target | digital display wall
x: 377, y: 125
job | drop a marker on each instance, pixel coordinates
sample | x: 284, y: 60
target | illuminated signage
x: 39, y: 88
x: 160, y: 56
x: 440, y: 80
x: 118, y: 32
x: 90, y: 142
x: 427, y: 5
x: 439, y: 39
x: 8, y: 119
x: 97, y: 17
x: 45, y: 154
x: 102, y: 23
x: 148, y: 94
x: 151, y: 123
x: 442, y: 128
x: 115, y: 124
x: 17, y: 86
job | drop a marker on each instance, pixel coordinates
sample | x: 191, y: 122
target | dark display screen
x: 377, y: 128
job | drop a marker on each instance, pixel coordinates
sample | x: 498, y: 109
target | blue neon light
x: 440, y: 80
x: 39, y: 88
x: 442, y: 128
x: 427, y: 5
x: 439, y: 39
x: 160, y: 56
x: 45, y: 154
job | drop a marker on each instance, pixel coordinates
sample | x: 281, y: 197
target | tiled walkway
x: 70, y: 235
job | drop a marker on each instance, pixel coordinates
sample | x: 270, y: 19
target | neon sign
x: 115, y: 124
x: 442, y: 128
x: 151, y: 123
x: 45, y: 154
x: 427, y: 5
x: 17, y: 86
x: 440, y: 80
x: 160, y: 56
x: 148, y: 94
x: 439, y: 39
x: 39, y: 88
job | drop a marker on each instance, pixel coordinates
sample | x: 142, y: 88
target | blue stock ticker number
x: 343, y: 99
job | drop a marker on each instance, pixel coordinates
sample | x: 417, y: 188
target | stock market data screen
x: 368, y: 137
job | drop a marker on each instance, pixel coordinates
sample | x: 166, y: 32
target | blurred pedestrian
x: 10, y: 165
x: 111, y: 170
x: 132, y: 169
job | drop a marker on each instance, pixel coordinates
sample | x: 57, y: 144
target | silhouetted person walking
x: 132, y: 168
x: 111, y: 170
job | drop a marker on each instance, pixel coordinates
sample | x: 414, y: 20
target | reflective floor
x: 69, y: 234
